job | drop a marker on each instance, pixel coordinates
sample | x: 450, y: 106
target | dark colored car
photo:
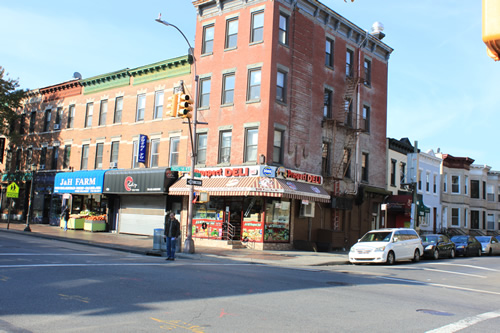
x: 466, y: 245
x: 438, y: 246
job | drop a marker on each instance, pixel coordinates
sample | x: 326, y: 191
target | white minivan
x: 387, y: 246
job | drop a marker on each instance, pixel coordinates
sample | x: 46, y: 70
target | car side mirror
x: 395, y: 239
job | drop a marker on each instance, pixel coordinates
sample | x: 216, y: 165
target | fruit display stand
x: 74, y: 223
x: 91, y: 225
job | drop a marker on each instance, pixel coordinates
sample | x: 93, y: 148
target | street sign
x: 195, y: 182
x: 13, y: 190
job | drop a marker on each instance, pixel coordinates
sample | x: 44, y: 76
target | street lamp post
x: 189, y: 243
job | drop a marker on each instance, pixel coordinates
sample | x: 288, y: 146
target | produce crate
x: 91, y: 225
x: 73, y: 223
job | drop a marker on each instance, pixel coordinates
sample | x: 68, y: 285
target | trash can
x: 158, y: 239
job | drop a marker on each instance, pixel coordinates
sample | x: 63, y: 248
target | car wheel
x: 391, y: 258
x: 479, y: 252
x: 416, y: 256
x: 435, y: 255
x: 452, y: 253
x: 490, y: 252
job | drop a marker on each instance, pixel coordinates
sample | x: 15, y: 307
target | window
x: 466, y: 216
x: 393, y: 172
x: 254, y: 77
x: 349, y: 63
x: 327, y: 104
x: 208, y: 39
x: 115, y: 147
x: 490, y: 193
x: 365, y: 123
x: 103, y: 112
x: 346, y: 163
x: 325, y: 159
x: 46, y: 120
x: 118, y: 110
x: 419, y: 179
x: 329, y: 52
x: 490, y: 222
x: 368, y: 72
x: 283, y: 29
x: 427, y: 182
x: 85, y: 157
x: 66, y: 157
x: 278, y: 147
x: 474, y: 219
x: 498, y: 195
x: 19, y: 154
x: 402, y: 174
x: 155, y: 153
x: 348, y: 112
x: 225, y: 146
x: 455, y: 217
x: 201, y: 148
x: 474, y: 189
x: 257, y: 33
x: 281, y: 87
x: 29, y: 157
x: 159, y: 98
x: 484, y: 190
x: 141, y: 107
x: 231, y: 33
x: 455, y: 184
x: 205, y: 92
x: 364, y: 167
x: 174, y: 151
x: 32, y: 122
x: 57, y: 122
x: 135, y: 153
x: 466, y: 190
x: 228, y: 89
x: 434, y: 183
x: 22, y: 124
x: 445, y: 183
x: 251, y: 141
x: 88, y: 114
x: 55, y: 157
x: 43, y: 157
x: 98, y: 155
x: 71, y: 116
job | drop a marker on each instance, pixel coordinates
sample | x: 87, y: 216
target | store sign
x: 143, y: 143
x: 284, y: 173
x: 79, y: 182
x: 136, y: 181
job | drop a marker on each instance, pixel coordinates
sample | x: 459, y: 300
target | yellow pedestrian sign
x: 13, y: 190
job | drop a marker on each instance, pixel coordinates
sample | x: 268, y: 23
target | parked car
x: 467, y: 246
x: 490, y: 245
x: 438, y: 246
x: 387, y: 246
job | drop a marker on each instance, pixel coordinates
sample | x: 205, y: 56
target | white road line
x: 441, y: 285
x: 467, y: 322
x: 457, y: 273
x: 461, y: 265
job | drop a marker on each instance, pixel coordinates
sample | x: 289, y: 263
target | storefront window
x: 252, y: 225
x: 277, y: 224
x: 207, y: 218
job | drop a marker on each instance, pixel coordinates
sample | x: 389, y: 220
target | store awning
x: 255, y: 186
x: 422, y: 209
x: 139, y: 181
x: 399, y: 203
x: 79, y: 182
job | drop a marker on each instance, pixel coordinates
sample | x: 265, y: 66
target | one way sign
x: 195, y: 182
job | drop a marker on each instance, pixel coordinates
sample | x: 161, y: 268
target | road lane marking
x: 440, y: 285
x: 463, y: 265
x: 467, y: 322
x: 457, y: 273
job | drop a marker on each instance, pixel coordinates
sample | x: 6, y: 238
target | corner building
x: 295, y: 97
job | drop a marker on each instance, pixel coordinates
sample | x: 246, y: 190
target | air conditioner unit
x: 41, y: 167
x: 113, y: 165
x: 307, y: 210
x: 57, y: 126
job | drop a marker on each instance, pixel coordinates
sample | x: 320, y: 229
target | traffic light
x: 185, y: 106
x: 172, y: 107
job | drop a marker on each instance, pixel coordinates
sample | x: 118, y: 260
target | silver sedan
x: 490, y: 245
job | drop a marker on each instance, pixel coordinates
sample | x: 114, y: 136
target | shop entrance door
x: 233, y: 216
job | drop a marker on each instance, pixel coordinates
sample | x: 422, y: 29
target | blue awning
x: 79, y: 181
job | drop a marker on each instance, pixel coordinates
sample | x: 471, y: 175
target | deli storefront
x: 138, y: 199
x: 256, y: 204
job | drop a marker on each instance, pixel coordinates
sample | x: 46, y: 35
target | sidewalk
x: 144, y: 245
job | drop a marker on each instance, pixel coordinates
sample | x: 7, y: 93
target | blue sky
x: 442, y: 89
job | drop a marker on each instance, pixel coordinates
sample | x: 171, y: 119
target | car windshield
x: 459, y: 239
x: 483, y: 239
x: 381, y: 236
x: 429, y: 239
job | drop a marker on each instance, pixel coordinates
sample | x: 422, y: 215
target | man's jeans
x: 171, y: 244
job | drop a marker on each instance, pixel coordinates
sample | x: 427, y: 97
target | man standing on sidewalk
x: 65, y: 216
x: 172, y: 231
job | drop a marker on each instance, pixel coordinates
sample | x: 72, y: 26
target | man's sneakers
x: 170, y: 259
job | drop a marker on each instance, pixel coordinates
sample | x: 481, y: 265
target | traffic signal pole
x: 189, y: 243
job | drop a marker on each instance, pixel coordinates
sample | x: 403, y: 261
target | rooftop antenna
x: 77, y: 75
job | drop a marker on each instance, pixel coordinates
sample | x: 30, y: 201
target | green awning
x: 422, y: 209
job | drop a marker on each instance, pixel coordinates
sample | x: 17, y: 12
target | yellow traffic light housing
x: 173, y: 105
x: 491, y: 28
x: 185, y: 106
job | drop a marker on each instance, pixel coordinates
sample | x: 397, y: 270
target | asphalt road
x: 52, y: 286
